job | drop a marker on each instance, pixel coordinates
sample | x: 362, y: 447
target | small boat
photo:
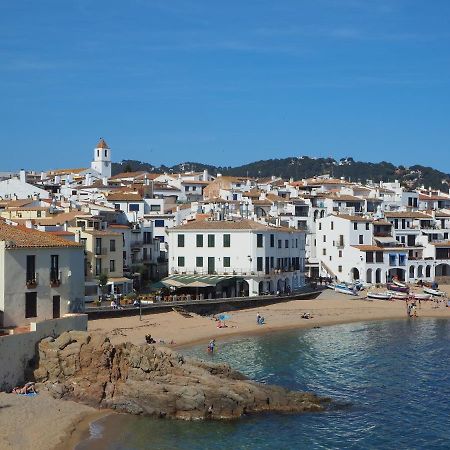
x: 428, y: 290
x: 344, y: 289
x: 330, y: 286
x: 417, y: 296
x: 396, y: 288
x: 398, y: 283
x: 379, y: 295
x: 399, y: 295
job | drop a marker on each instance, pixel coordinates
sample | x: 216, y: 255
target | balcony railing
x: 231, y: 272
x: 32, y: 280
x: 100, y: 251
x: 55, y: 278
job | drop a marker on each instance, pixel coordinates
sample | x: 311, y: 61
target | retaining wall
x: 17, y: 351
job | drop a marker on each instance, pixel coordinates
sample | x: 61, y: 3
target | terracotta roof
x: 102, y: 233
x: 382, y: 222
x: 432, y: 197
x: 441, y: 244
x: 59, y: 219
x: 373, y: 248
x: 344, y: 197
x: 117, y: 225
x: 61, y: 233
x: 407, y: 214
x: 139, y: 173
x: 124, y: 197
x: 102, y: 144
x: 19, y: 236
x: 230, y: 225
x: 352, y: 218
x: 65, y: 171
x: 18, y: 203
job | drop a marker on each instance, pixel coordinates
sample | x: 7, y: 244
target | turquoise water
x: 390, y: 382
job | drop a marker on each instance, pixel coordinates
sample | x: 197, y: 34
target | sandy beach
x: 328, y: 309
x: 41, y: 422
x: 64, y: 422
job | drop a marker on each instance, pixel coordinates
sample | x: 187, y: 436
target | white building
x: 102, y: 159
x: 41, y: 276
x: 256, y: 258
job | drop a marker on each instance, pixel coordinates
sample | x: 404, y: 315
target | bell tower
x: 102, y: 159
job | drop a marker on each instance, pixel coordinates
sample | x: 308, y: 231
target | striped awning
x: 184, y: 280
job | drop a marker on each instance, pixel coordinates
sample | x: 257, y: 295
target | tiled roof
x: 407, y: 214
x: 139, y: 173
x: 102, y: 233
x: 373, y: 248
x: 19, y: 236
x: 124, y: 197
x: 102, y: 144
x: 352, y: 218
x: 441, y: 244
x: 230, y: 225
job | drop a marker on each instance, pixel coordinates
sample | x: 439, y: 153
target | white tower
x: 102, y: 159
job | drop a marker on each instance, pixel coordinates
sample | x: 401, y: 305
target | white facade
x: 102, y: 159
x: 267, y: 258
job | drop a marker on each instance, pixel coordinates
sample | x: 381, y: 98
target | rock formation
x: 155, y: 381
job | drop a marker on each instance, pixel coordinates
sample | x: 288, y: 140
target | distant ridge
x: 306, y: 167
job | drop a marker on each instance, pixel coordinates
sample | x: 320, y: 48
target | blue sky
x: 166, y: 81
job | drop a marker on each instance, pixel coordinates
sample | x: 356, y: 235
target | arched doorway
x: 287, y: 285
x: 378, y: 276
x: 419, y: 271
x: 280, y: 286
x: 369, y: 276
x: 322, y: 214
x: 316, y: 215
x: 269, y: 287
x: 397, y: 273
x: 354, y: 274
x: 442, y: 270
x: 428, y: 271
x: 411, y: 272
x: 261, y: 287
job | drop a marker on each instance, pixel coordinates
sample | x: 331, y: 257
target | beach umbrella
x: 223, y: 317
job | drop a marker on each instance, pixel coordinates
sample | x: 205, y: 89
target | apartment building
x: 41, y: 276
x: 257, y: 258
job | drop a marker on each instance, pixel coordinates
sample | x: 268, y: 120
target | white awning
x: 386, y: 240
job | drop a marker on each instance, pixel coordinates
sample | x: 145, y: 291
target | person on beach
x: 211, y: 345
x: 258, y: 318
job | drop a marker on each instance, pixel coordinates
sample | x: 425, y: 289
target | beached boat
x: 399, y: 295
x: 344, y: 289
x: 417, y: 296
x: 435, y: 292
x: 379, y: 295
x: 330, y: 286
x: 394, y: 287
x: 398, y: 283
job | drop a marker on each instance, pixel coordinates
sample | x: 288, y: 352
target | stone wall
x: 17, y: 350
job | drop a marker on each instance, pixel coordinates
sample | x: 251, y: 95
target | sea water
x: 389, y: 381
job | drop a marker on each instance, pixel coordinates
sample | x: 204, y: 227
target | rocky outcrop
x: 155, y: 381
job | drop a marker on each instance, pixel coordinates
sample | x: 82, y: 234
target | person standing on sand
x: 211, y: 345
x: 258, y: 318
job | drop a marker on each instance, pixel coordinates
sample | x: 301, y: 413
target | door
x: 211, y: 266
x: 56, y: 306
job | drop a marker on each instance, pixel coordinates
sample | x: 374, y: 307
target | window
x: 379, y: 257
x: 160, y: 238
x: 259, y: 264
x: 369, y: 257
x: 332, y: 225
x: 98, y: 266
x: 98, y: 246
x: 181, y: 240
x: 147, y: 237
x: 181, y: 261
x: 54, y: 268
x: 324, y: 238
x: 117, y: 206
x: 272, y: 240
x: 259, y: 240
x: 226, y: 261
x: 279, y: 243
x: 133, y: 207
x: 155, y: 207
x: 211, y: 240
x: 339, y: 268
x: 106, y: 153
x: 361, y: 239
x: 355, y: 225
x: 112, y: 245
x: 320, y: 226
x: 296, y: 243
x: 31, y: 268
x: 199, y: 261
x: 340, y: 253
x: 226, y: 240
x: 367, y: 226
x: 30, y: 305
x: 286, y: 243
x: 112, y: 265
x: 199, y: 240
x: 324, y: 251
x: 159, y: 223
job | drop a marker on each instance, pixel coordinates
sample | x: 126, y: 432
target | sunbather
x: 28, y: 388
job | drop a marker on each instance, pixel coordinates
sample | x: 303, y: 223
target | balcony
x: 55, y: 278
x: 136, y: 245
x: 100, y: 251
x: 32, y: 280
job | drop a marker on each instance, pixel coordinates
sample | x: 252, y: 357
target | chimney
x: 205, y: 175
x: 105, y: 181
x: 22, y: 176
